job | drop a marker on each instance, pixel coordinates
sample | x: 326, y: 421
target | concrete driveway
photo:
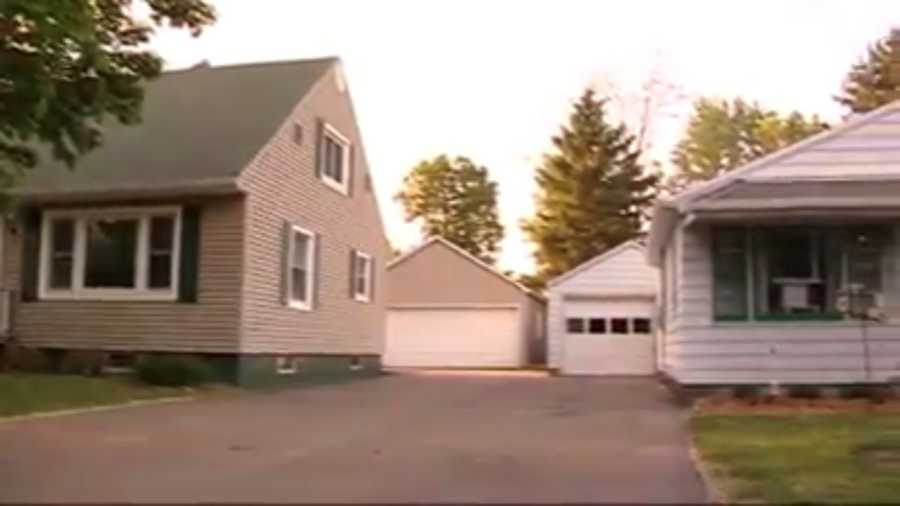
x: 400, y: 438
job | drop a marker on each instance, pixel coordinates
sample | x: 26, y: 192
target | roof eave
x: 206, y: 187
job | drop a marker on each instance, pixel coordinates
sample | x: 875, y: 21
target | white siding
x: 625, y: 274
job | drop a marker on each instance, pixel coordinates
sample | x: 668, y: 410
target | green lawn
x: 22, y: 393
x: 835, y: 458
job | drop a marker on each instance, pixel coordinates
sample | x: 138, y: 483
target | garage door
x: 454, y: 338
x: 608, y: 337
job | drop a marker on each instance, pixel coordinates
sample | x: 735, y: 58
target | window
x: 362, y: 276
x: 110, y: 254
x: 286, y: 365
x: 356, y: 363
x: 334, y: 159
x: 794, y: 272
x: 575, y: 325
x: 619, y: 325
x: 597, y: 325
x: 301, y: 251
x: 640, y: 325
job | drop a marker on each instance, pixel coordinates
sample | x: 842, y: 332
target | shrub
x: 805, y: 392
x: 856, y: 392
x: 174, y: 370
x: 749, y: 393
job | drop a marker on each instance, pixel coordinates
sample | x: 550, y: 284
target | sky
x: 493, y: 80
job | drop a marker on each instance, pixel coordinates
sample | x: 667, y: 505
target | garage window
x: 619, y: 325
x: 575, y: 325
x: 640, y: 325
x: 597, y: 326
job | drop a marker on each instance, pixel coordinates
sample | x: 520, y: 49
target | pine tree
x: 454, y: 199
x: 874, y: 80
x: 593, y: 191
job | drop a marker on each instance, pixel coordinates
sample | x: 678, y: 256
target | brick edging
x: 94, y: 409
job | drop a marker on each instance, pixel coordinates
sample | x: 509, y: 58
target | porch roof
x: 803, y: 195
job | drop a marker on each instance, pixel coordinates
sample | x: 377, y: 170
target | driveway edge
x: 714, y: 494
x: 94, y: 409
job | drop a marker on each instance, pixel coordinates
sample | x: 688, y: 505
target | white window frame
x: 286, y: 365
x: 77, y: 290
x: 342, y: 187
x: 310, y: 269
x: 367, y: 295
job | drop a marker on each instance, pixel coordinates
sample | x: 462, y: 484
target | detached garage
x: 446, y: 308
x: 601, y: 315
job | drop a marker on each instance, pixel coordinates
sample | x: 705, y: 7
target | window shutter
x: 285, y: 286
x: 31, y: 253
x: 190, y: 254
x: 372, y: 279
x: 352, y: 273
x: 351, y: 164
x: 320, y: 132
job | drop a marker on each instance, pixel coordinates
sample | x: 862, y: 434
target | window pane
x: 160, y: 271
x: 575, y: 326
x: 640, y: 325
x: 730, y: 273
x: 619, y: 325
x: 62, y: 236
x: 298, y: 285
x: 162, y: 233
x: 61, y: 272
x: 301, y: 250
x: 111, y: 246
x: 334, y: 159
x: 597, y: 326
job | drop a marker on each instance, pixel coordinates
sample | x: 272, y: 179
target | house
x: 237, y: 222
x: 447, y: 308
x: 601, y: 313
x: 787, y: 270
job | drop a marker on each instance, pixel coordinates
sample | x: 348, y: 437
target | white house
x: 601, y: 314
x: 759, y: 266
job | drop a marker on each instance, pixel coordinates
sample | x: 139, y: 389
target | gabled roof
x: 468, y: 256
x: 597, y: 260
x: 200, y: 128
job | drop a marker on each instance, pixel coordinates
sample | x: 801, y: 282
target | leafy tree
x: 592, y: 191
x: 66, y: 65
x: 722, y: 136
x: 455, y: 200
x: 875, y: 79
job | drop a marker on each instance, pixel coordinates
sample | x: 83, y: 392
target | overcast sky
x: 492, y: 80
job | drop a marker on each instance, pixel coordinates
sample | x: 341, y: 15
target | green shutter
x: 31, y: 253
x: 730, y: 274
x: 286, y: 237
x: 188, y: 282
x: 320, y: 155
x: 352, y: 273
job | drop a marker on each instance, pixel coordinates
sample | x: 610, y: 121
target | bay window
x: 794, y: 272
x: 110, y: 254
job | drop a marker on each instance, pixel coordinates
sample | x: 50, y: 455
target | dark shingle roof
x: 200, y: 127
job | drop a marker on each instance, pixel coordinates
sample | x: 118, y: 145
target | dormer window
x: 334, y: 159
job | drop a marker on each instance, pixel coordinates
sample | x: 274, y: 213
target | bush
x: 805, y: 392
x: 174, y: 370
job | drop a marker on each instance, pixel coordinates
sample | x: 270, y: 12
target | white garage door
x: 608, y: 337
x: 467, y: 337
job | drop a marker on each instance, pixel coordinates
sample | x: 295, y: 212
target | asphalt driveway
x: 400, y: 438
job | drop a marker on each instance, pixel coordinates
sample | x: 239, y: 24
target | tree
x: 455, y: 200
x: 592, y: 191
x: 875, y: 79
x: 722, y: 136
x: 67, y: 65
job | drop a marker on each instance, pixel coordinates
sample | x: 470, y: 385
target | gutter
x: 216, y: 186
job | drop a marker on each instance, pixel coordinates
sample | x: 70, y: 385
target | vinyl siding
x: 282, y: 186
x: 209, y: 325
x: 701, y: 351
x: 624, y: 275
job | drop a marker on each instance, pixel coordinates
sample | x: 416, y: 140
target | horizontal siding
x: 282, y: 186
x: 556, y: 329
x: 209, y: 325
x: 623, y: 274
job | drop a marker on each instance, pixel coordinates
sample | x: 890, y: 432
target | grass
x: 22, y: 393
x: 804, y: 458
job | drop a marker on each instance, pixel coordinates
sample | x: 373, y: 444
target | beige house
x: 447, y: 308
x: 787, y: 270
x: 237, y: 221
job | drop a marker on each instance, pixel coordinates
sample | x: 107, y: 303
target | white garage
x: 454, y: 337
x: 447, y: 308
x: 601, y: 316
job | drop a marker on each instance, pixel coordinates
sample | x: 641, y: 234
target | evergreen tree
x: 455, y: 200
x: 593, y: 191
x: 723, y: 135
x: 875, y: 79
